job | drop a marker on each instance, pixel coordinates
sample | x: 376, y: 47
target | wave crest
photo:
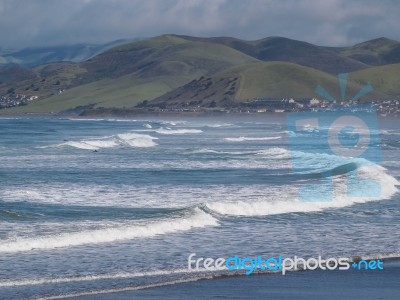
x: 198, y: 219
x: 387, y: 183
x: 122, y: 139
x: 243, y: 138
x: 177, y: 131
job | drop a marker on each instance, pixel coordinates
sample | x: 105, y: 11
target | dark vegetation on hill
x: 207, y: 72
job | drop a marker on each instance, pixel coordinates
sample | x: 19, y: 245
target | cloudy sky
x: 325, y: 22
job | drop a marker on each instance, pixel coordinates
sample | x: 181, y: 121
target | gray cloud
x: 329, y: 22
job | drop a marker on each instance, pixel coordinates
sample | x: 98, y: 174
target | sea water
x: 88, y: 206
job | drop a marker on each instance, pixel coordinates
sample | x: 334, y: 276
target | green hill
x: 267, y: 80
x: 44, y: 55
x: 375, y: 52
x: 127, y: 75
x: 173, y: 70
x: 384, y: 79
x: 288, y: 50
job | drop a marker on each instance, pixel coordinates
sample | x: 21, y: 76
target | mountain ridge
x: 34, y: 56
x: 180, y: 69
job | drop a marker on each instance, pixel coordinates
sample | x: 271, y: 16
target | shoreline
x: 280, y: 117
x: 141, y: 114
x: 303, y: 285
x: 169, y: 116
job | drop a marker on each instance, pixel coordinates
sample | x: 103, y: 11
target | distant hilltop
x: 178, y: 73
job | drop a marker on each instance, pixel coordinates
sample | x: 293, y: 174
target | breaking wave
x: 198, y: 219
x: 91, y: 144
x: 243, y: 138
x: 123, y: 139
x: 138, y: 140
x: 85, y: 278
x: 341, y: 198
x: 177, y: 131
x: 218, y: 125
x: 207, y: 150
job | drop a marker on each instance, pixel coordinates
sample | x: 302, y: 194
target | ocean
x: 89, y: 206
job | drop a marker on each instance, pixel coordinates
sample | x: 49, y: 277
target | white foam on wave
x: 198, y: 219
x: 311, y: 160
x: 173, y: 123
x: 389, y: 132
x: 243, y: 138
x: 177, y: 131
x: 147, y: 126
x: 275, y: 152
x: 113, y: 276
x: 218, y: 125
x: 290, y: 204
x: 155, y: 195
x: 123, y: 139
x: 138, y: 140
x: 99, y: 120
x: 207, y: 150
x: 92, y: 144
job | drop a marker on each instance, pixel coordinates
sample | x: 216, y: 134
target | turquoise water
x: 93, y: 205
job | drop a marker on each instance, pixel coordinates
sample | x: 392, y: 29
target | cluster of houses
x: 16, y: 100
x: 384, y: 108
x: 388, y: 107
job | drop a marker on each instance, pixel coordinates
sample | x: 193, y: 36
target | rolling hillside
x: 175, y: 70
x: 44, y: 55
x: 384, y: 79
x: 376, y: 52
x: 129, y: 74
x: 288, y: 50
x: 268, y: 80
